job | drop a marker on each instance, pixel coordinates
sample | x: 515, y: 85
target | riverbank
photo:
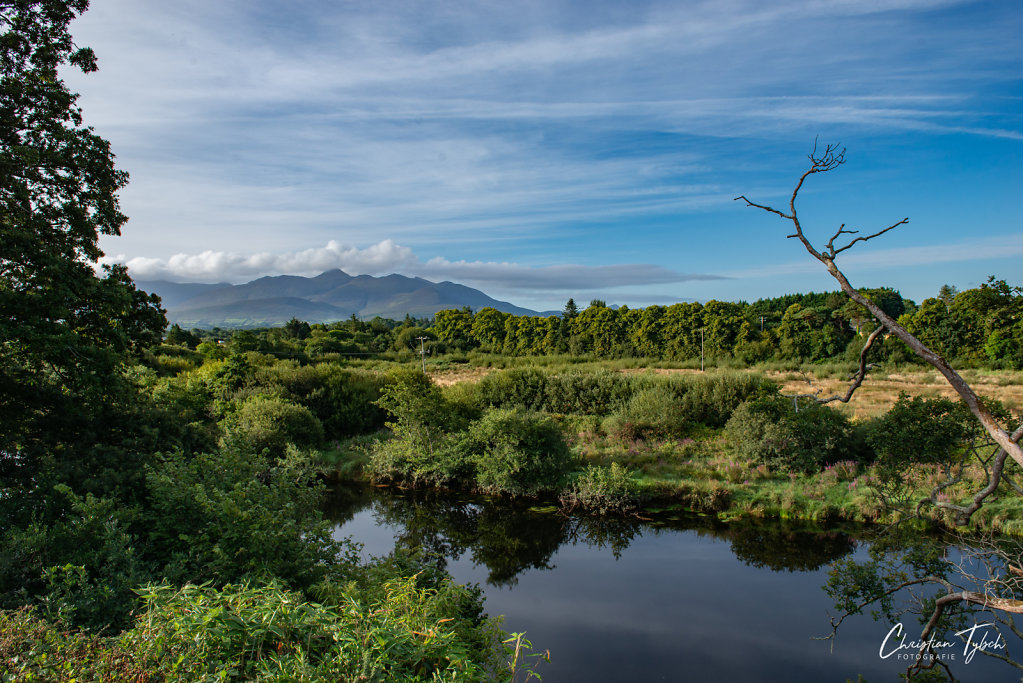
x: 701, y: 475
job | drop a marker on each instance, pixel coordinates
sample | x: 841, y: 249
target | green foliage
x: 711, y: 400
x: 422, y: 450
x: 517, y: 452
x: 34, y: 649
x: 771, y: 432
x: 401, y: 629
x: 348, y: 404
x: 603, y: 490
x: 232, y: 515
x: 63, y: 328
x: 652, y: 412
x: 81, y: 567
x: 919, y: 430
x: 66, y: 330
x: 261, y: 633
x: 272, y: 424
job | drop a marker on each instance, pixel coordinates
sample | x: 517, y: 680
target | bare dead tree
x: 997, y: 590
x: 828, y: 160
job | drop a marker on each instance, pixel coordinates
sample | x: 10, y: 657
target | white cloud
x: 388, y: 257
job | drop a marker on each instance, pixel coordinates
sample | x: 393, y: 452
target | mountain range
x: 333, y: 295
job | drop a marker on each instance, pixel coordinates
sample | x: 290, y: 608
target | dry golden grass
x: 878, y: 393
x: 461, y: 373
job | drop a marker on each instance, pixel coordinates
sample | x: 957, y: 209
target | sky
x: 541, y: 150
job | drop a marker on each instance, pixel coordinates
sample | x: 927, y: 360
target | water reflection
x: 513, y: 537
x: 780, y: 548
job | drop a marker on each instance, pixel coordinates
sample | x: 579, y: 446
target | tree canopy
x: 65, y: 325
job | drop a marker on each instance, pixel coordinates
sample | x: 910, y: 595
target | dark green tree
x: 571, y: 310
x: 64, y: 329
x: 176, y: 335
x: 297, y: 329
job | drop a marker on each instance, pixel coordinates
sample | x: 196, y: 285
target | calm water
x: 672, y: 599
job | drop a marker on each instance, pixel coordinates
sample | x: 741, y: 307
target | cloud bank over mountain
x: 389, y: 257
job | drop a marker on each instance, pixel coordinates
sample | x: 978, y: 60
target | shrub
x: 81, y: 567
x: 713, y: 399
x: 403, y: 630
x: 652, y: 412
x: 349, y: 402
x: 517, y: 452
x: 423, y: 450
x: 589, y: 393
x: 521, y: 387
x: 252, y: 632
x: 271, y: 423
x: 603, y: 490
x: 234, y: 515
x: 919, y: 430
x: 770, y: 431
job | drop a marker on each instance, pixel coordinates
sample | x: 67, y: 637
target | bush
x: 250, y: 632
x: 349, y: 403
x: 402, y: 630
x: 770, y: 431
x: 517, y: 452
x: 270, y: 423
x: 920, y: 430
x: 711, y: 400
x: 81, y: 567
x: 589, y: 393
x: 422, y: 450
x: 603, y: 490
x: 234, y: 515
x: 653, y: 412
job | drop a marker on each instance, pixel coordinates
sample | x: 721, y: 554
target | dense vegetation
x: 976, y: 327
x: 170, y: 530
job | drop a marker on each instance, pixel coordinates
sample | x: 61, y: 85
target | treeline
x: 977, y: 326
x: 981, y: 326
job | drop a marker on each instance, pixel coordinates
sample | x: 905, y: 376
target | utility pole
x: 422, y: 351
x: 701, y: 349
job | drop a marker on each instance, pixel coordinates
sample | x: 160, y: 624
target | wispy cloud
x: 493, y: 132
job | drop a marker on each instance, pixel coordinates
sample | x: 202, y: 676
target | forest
x: 980, y: 327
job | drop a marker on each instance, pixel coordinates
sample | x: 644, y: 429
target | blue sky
x: 542, y: 150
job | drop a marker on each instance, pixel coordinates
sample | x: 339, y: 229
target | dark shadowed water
x: 674, y: 598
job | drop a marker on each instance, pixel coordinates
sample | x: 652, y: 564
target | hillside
x: 333, y: 295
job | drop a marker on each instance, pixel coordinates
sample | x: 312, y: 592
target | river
x: 674, y: 597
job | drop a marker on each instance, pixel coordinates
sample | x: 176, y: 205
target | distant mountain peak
x: 327, y: 297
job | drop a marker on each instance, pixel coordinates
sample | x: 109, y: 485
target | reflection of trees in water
x: 778, y: 547
x: 615, y: 533
x: 344, y: 501
x: 505, y: 538
x: 510, y: 537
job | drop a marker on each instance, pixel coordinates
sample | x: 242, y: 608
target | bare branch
x: 861, y: 373
x: 835, y: 252
x: 964, y: 513
x: 830, y: 159
x: 761, y: 206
